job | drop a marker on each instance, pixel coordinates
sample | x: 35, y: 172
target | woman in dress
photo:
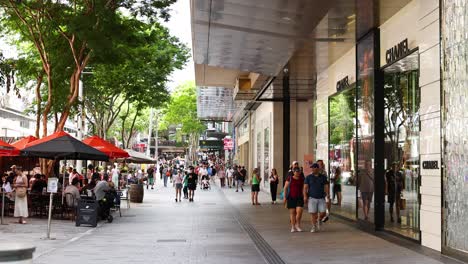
x: 21, y: 198
x: 274, y: 179
x: 178, y: 180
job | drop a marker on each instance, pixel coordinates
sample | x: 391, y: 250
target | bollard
x: 14, y: 253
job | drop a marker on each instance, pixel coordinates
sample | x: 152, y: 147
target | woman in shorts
x: 295, y: 199
x: 255, y: 181
x: 178, y: 179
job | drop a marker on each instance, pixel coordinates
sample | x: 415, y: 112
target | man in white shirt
x: 115, y: 176
x: 72, y: 200
x: 101, y: 188
x: 230, y: 175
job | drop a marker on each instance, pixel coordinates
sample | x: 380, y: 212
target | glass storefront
x: 402, y: 126
x: 342, y: 132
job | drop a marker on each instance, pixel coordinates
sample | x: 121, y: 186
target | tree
x: 138, y: 80
x: 68, y: 35
x: 182, y: 111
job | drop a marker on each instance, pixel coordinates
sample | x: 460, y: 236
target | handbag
x: 21, y: 192
x: 402, y: 203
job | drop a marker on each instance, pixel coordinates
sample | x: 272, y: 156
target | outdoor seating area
x: 25, y: 159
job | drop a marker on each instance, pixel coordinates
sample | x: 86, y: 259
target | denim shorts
x: 317, y: 205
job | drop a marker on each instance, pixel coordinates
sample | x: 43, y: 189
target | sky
x: 179, y: 26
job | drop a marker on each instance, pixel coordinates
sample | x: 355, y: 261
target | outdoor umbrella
x: 61, y: 145
x: 8, y: 150
x: 137, y: 157
x: 21, y: 144
x: 104, y: 146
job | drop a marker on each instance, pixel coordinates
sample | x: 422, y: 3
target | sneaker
x: 314, y: 229
x: 325, y: 219
x: 176, y: 200
x: 293, y: 230
x: 298, y: 229
x: 242, y: 189
x: 237, y: 190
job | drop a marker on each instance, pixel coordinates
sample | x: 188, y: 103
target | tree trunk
x: 39, y: 102
x: 130, y: 134
x: 48, y: 105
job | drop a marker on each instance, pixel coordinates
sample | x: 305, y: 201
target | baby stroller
x: 205, y: 183
x: 105, y: 206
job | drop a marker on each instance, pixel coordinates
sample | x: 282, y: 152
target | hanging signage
x: 228, y: 144
x: 397, y: 52
x: 430, y: 165
x: 342, y: 84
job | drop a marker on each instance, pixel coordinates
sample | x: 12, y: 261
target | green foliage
x: 342, y: 117
x: 182, y: 110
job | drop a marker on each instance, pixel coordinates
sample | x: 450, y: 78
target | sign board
x: 52, y: 185
x: 430, y: 165
x: 228, y: 144
x: 397, y: 52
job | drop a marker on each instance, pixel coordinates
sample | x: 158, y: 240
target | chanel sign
x: 397, y: 52
x: 430, y: 165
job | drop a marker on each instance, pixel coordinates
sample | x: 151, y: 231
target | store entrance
x: 341, y: 138
x: 402, y: 176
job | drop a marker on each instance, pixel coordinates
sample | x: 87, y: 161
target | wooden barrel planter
x: 136, y: 193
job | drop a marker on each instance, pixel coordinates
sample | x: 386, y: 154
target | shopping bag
x: 402, y: 203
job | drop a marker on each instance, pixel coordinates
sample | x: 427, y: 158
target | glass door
x: 341, y: 138
x: 402, y: 176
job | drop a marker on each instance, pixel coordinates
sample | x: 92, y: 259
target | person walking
x: 337, y: 186
x: 324, y: 172
x: 185, y: 185
x: 21, y: 198
x: 255, y: 182
x: 166, y: 174
x: 230, y: 174
x: 274, y: 179
x: 222, y: 176
x: 394, y: 186
x: 192, y: 183
x: 115, y: 176
x: 316, y: 189
x: 239, y: 178
x: 150, y: 181
x: 294, y: 201
x: 178, y: 185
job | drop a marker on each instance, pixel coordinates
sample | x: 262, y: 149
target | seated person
x: 39, y: 184
x: 72, y: 200
x: 101, y: 188
x: 91, y: 185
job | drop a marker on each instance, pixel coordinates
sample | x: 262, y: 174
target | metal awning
x: 215, y: 103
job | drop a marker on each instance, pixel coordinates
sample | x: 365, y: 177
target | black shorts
x: 337, y: 188
x: 295, y: 202
x: 192, y: 187
x: 255, y: 187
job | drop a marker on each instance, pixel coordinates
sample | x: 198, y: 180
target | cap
x: 295, y: 162
x: 315, y: 165
x: 13, y: 167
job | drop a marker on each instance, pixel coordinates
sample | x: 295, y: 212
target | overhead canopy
x: 104, y: 146
x: 8, y: 150
x: 21, y: 144
x: 61, y: 145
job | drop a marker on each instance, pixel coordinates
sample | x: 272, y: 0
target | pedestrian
x: 394, y: 185
x: 324, y: 172
x: 230, y: 174
x: 294, y: 165
x: 274, y: 180
x: 294, y: 188
x: 178, y: 179
x: 21, y: 198
x: 239, y: 179
x: 115, y: 176
x: 337, y: 186
x: 185, y: 185
x: 255, y: 182
x: 167, y: 174
x: 222, y: 177
x: 316, y: 190
x: 150, y: 181
x: 192, y: 183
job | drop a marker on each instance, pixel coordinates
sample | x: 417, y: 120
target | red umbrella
x: 104, y: 146
x: 8, y: 150
x: 21, y: 144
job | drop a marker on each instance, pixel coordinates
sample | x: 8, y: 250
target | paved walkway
x: 221, y: 226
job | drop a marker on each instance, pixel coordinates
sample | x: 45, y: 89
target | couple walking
x: 312, y: 190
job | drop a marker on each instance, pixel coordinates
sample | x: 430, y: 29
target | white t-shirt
x: 230, y: 173
x: 115, y: 172
x: 202, y: 171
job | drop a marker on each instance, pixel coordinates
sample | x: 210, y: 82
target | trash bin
x: 87, y: 212
x: 16, y: 253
